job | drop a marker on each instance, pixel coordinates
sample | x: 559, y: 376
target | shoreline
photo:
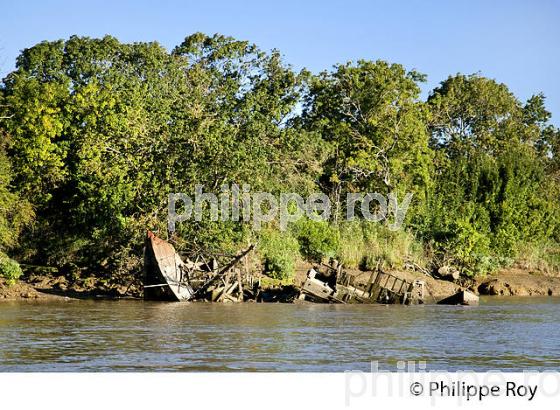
x: 510, y: 282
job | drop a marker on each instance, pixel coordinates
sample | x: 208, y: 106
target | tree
x: 15, y: 214
x: 371, y: 116
x: 477, y: 113
x: 492, y: 190
x: 97, y: 133
x: 104, y: 131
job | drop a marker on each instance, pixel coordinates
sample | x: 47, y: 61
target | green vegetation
x: 9, y: 269
x: 97, y: 133
x: 279, y: 251
x: 317, y: 238
x: 365, y: 244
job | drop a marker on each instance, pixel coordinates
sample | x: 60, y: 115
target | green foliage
x: 371, y: 116
x: 280, y: 251
x: 542, y: 257
x: 317, y: 238
x: 9, y: 269
x: 101, y: 133
x: 15, y: 213
x: 365, y: 244
x: 97, y: 133
x: 494, y: 188
x: 474, y: 113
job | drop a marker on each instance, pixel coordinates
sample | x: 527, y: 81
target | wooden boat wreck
x: 164, y: 272
x: 167, y: 277
x: 336, y: 286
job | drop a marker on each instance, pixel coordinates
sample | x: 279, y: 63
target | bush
x: 317, y: 239
x: 280, y: 251
x: 9, y: 269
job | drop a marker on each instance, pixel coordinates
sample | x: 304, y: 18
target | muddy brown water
x: 511, y: 334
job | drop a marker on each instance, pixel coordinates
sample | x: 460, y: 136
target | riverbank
x: 46, y: 287
x: 518, y: 282
x: 507, y: 282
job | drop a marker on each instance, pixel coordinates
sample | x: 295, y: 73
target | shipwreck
x: 334, y: 285
x: 168, y: 277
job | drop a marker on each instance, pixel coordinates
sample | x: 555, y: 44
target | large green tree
x: 493, y: 192
x: 475, y: 113
x: 371, y: 115
x: 102, y: 132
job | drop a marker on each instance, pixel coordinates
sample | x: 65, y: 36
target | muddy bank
x: 20, y: 290
x: 512, y: 282
x: 47, y: 287
x: 518, y: 282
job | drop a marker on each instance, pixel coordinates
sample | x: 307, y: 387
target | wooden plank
x: 394, y: 283
x: 240, y: 284
x: 402, y: 285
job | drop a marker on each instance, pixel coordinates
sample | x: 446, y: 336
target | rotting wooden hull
x: 163, y: 273
x: 318, y: 291
x: 382, y: 288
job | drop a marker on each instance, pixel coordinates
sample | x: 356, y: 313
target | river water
x: 511, y: 334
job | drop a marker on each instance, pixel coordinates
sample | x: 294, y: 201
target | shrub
x: 317, y: 239
x: 9, y: 269
x: 280, y: 251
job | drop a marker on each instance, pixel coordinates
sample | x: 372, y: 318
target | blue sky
x: 515, y: 42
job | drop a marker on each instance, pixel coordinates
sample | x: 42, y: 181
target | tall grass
x: 544, y: 258
x: 364, y: 244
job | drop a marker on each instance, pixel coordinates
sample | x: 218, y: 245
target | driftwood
x: 226, y: 291
x: 240, y: 284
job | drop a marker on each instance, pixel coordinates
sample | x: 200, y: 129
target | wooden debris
x: 463, y: 297
x: 168, y: 277
x: 339, y: 287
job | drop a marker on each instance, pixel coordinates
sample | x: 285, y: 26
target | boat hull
x: 163, y: 273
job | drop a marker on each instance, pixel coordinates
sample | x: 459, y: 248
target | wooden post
x: 368, y: 286
x: 402, y: 284
x: 226, y: 286
x: 240, y: 285
x: 394, y: 283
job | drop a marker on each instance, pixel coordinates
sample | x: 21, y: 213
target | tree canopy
x: 96, y: 133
